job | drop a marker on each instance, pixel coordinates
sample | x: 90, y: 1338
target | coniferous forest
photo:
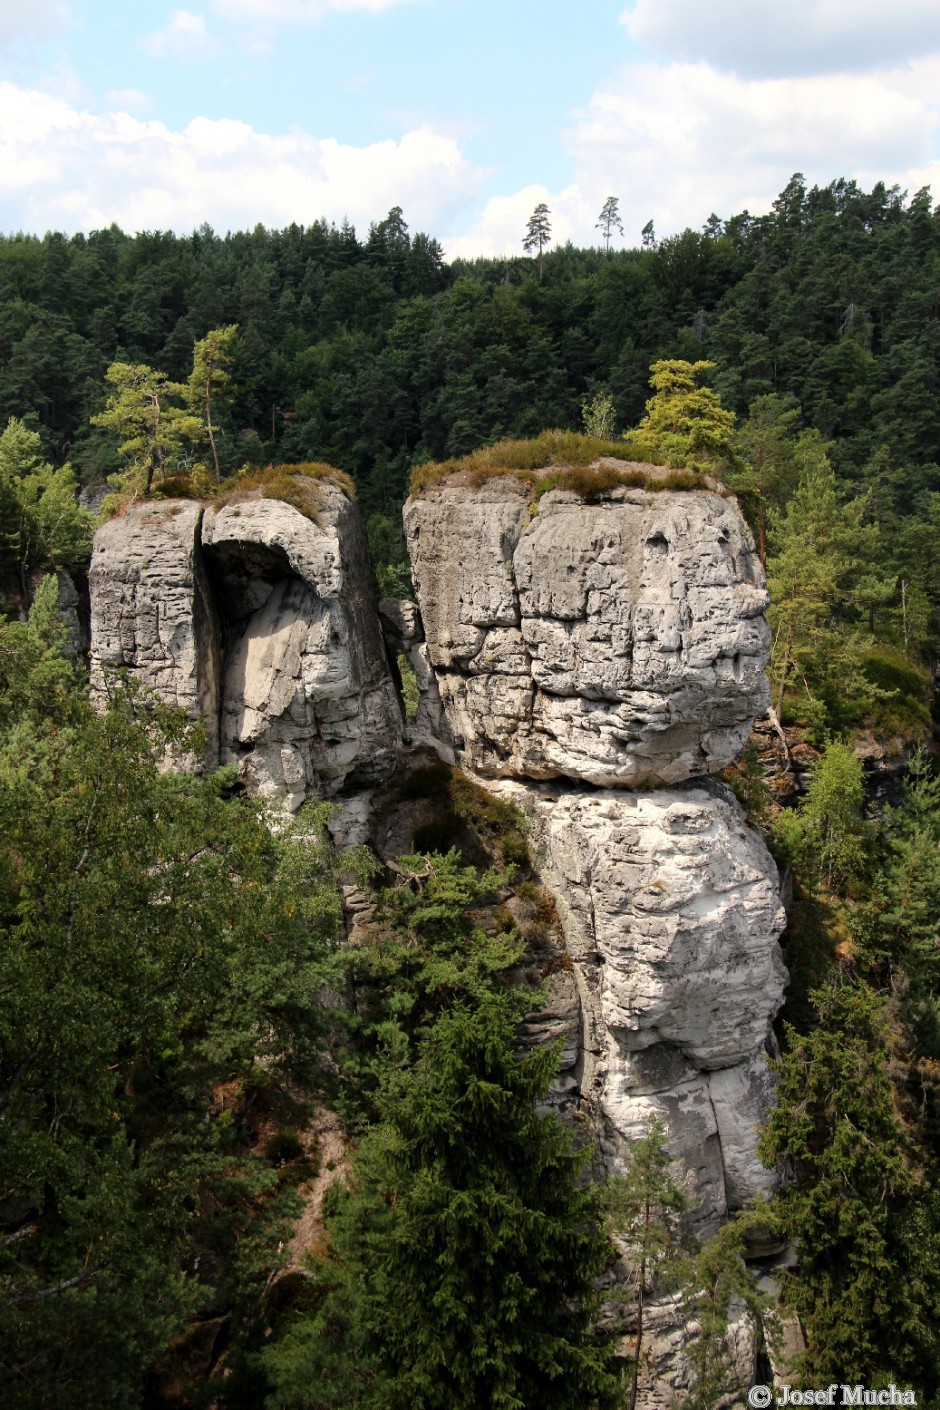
x: 175, y: 997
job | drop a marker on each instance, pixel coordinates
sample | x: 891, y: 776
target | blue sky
x: 464, y: 112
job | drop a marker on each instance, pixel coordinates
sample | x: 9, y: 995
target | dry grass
x: 296, y: 485
x: 563, y: 460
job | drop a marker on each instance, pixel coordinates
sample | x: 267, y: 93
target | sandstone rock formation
x: 583, y: 651
x: 619, y: 643
x: 671, y: 916
x: 153, y: 613
x: 307, y: 700
x: 260, y: 621
x: 596, y: 663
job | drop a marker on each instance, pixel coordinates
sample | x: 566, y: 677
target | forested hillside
x: 375, y: 353
x: 795, y: 357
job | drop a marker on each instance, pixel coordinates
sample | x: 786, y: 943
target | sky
x: 466, y: 113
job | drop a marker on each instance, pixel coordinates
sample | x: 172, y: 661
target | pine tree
x: 861, y: 1209
x: 144, y: 411
x: 538, y: 232
x: 609, y: 220
x: 210, y: 380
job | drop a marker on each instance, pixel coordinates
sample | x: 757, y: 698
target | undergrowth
x: 497, y: 823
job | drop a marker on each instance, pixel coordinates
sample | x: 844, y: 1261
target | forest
x: 156, y: 1079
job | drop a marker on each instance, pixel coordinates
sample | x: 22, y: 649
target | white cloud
x: 185, y: 37
x: 30, y: 20
x: 675, y: 142
x: 129, y: 100
x: 293, y: 11
x: 65, y: 168
x: 767, y: 38
x: 681, y: 140
x: 502, y: 225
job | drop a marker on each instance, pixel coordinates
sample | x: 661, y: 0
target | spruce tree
x: 465, y: 1253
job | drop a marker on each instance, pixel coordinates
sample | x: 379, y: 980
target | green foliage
x: 767, y: 460
x: 210, y: 382
x: 824, y: 837
x: 609, y: 220
x: 821, y: 588
x: 717, y: 1281
x: 868, y: 1285
x: 895, y: 932
x: 597, y: 415
x: 41, y: 525
x: 153, y: 429
x: 464, y: 1257
x: 685, y: 423
x: 411, y: 695
x: 538, y: 234
x: 426, y: 951
x: 464, y: 804
x: 39, y: 685
x: 387, y: 546
x: 160, y: 957
x: 644, y: 1211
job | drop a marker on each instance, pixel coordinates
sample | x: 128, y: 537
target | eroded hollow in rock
x: 284, y: 674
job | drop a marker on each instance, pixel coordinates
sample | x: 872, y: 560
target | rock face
x: 308, y: 702
x: 580, y: 653
x: 620, y: 643
x: 261, y: 622
x: 153, y: 612
x: 671, y: 914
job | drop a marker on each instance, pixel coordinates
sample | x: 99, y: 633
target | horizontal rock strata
x: 620, y: 643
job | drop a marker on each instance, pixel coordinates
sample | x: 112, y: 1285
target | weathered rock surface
x: 262, y: 623
x: 671, y: 913
x: 308, y: 701
x: 153, y: 612
x: 617, y: 643
x: 666, y: 1380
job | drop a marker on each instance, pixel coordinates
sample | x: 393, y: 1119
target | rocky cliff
x: 596, y: 662
x: 611, y: 647
x: 259, y: 620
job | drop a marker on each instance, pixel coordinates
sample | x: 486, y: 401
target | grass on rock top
x: 296, y: 485
x: 560, y: 460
